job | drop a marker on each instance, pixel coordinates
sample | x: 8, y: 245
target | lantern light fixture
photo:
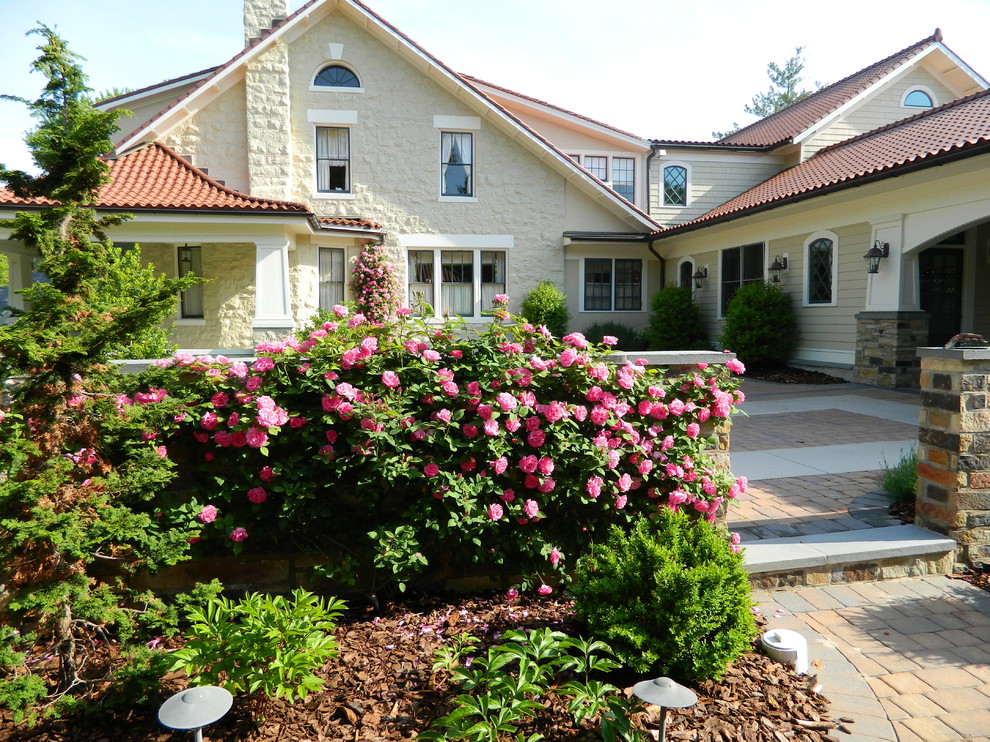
x: 875, y: 254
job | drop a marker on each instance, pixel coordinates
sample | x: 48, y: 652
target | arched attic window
x: 336, y: 76
x: 918, y: 98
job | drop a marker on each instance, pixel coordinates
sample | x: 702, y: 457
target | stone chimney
x: 259, y: 16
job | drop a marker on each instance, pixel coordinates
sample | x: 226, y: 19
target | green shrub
x: 629, y: 338
x: 675, y: 321
x: 760, y: 327
x: 547, y: 305
x: 261, y: 643
x: 900, y: 481
x: 671, y: 597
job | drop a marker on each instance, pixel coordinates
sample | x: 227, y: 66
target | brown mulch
x: 381, y: 687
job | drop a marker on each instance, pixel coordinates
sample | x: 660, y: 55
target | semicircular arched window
x: 336, y: 76
x: 918, y: 99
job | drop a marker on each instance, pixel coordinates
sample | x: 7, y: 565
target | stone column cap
x: 958, y: 354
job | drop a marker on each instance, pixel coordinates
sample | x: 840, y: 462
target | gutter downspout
x: 654, y: 151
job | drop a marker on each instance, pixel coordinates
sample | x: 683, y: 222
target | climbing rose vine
x: 374, y: 286
x: 391, y: 446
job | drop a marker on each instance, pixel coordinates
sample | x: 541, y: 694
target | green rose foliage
x: 392, y: 446
x: 671, y: 597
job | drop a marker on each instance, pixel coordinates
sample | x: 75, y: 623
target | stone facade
x: 886, y: 348
x: 954, y: 452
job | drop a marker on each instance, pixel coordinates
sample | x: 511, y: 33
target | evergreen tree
x: 76, y: 482
x: 785, y: 89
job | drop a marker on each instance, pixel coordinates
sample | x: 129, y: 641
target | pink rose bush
x: 405, y: 442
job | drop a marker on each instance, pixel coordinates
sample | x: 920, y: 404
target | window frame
x: 631, y: 197
x: 834, y: 283
x: 613, y: 283
x: 186, y: 297
x: 924, y: 91
x: 470, y: 166
x: 744, y: 262
x: 689, y: 274
x: 332, y: 254
x: 663, y: 185
x: 436, y: 267
x: 314, y: 87
x: 347, y: 191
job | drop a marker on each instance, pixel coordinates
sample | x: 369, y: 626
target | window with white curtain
x: 331, y: 277
x: 191, y: 300
x: 333, y: 159
x: 468, y: 281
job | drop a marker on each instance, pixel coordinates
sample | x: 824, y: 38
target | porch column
x: 272, y: 307
x: 953, y: 495
x: 18, y: 277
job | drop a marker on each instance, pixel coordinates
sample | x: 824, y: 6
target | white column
x: 19, y: 277
x: 272, y: 300
x: 884, y: 289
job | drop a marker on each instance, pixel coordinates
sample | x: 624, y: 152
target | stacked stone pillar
x: 953, y: 495
x: 886, y: 345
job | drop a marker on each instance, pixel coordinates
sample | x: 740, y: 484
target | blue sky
x: 661, y: 70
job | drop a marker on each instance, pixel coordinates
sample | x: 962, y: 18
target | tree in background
x: 77, y: 477
x: 785, y: 89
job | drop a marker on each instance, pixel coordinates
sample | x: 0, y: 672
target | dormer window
x: 336, y: 76
x: 918, y: 98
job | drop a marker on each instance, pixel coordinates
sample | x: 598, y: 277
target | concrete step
x: 848, y: 556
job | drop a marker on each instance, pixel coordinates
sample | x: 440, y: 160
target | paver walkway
x: 814, y: 457
x: 906, y: 659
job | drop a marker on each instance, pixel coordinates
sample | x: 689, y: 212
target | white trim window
x: 190, y: 260
x: 333, y: 159
x: 468, y: 280
x: 336, y: 76
x: 674, y: 185
x: 623, y: 170
x: 739, y: 266
x: 919, y: 97
x: 612, y: 285
x: 456, y: 164
x: 821, y: 260
x: 332, y: 282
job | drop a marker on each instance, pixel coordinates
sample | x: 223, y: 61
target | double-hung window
x: 331, y: 277
x: 456, y: 163
x: 191, y: 300
x: 333, y: 159
x: 624, y: 177
x: 740, y: 265
x: 613, y: 284
x: 456, y: 282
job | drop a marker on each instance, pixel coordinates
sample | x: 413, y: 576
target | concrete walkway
x: 907, y: 659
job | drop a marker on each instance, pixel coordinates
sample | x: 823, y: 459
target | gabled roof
x: 953, y: 131
x: 155, y: 177
x: 785, y: 125
x: 183, y: 107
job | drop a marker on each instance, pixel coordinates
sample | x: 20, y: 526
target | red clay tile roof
x: 340, y: 221
x: 783, y: 126
x: 155, y: 177
x: 955, y: 130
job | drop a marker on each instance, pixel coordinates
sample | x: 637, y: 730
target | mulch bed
x: 790, y: 375
x: 381, y: 687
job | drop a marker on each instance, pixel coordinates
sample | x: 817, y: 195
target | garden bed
x: 382, y: 687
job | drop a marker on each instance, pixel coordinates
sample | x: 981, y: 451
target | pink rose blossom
x: 610, y: 340
x: 495, y: 511
x: 431, y: 470
x: 255, y: 437
x: 735, y: 366
x: 511, y: 594
x: 257, y: 495
x: 693, y: 430
x: 390, y: 379
x: 267, y: 474
x: 208, y: 514
x: 544, y: 589
x: 555, y: 556
x: 238, y: 535
x: 508, y: 495
x: 531, y: 508
x: 620, y: 502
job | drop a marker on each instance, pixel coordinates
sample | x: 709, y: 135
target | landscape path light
x: 194, y: 708
x: 665, y: 693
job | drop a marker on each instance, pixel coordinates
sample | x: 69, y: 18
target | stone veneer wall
x: 954, y: 453
x: 886, y: 346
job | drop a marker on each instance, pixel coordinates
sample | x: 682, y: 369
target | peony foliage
x: 392, y: 446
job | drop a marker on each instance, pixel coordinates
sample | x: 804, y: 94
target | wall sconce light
x: 875, y: 254
x: 700, y: 275
x: 779, y: 264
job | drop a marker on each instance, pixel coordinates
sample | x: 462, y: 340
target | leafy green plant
x: 760, y: 326
x: 671, y: 597
x: 547, y: 305
x: 675, y: 321
x: 627, y: 338
x: 503, y: 686
x: 261, y: 643
x: 900, y: 481
x: 20, y: 690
